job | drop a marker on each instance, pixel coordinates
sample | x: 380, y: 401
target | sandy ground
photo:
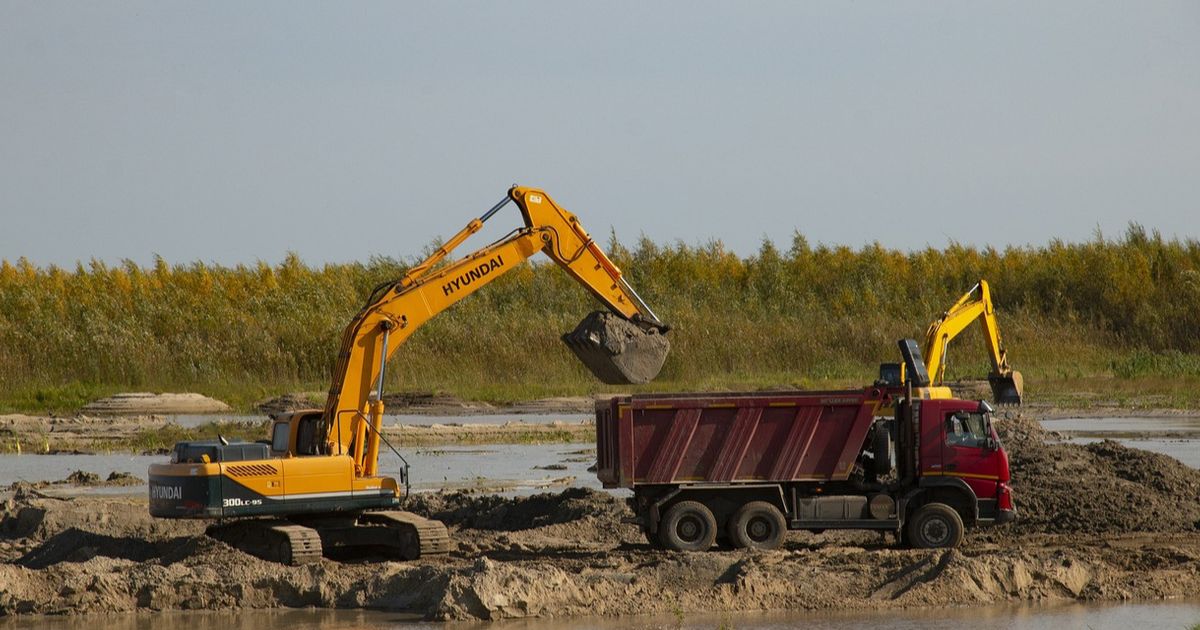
x: 148, y: 403
x: 1098, y: 522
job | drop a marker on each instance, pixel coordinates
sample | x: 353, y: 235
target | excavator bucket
x: 618, y: 351
x: 1007, y: 389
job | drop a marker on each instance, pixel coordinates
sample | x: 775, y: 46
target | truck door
x: 971, y: 452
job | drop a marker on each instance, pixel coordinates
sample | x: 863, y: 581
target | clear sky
x: 233, y: 132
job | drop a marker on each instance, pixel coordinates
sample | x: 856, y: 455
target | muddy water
x: 409, y: 419
x: 514, y: 468
x: 1145, y: 616
x: 1178, y: 437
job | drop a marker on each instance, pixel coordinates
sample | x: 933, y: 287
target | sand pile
x: 147, y: 403
x: 289, y: 402
x: 1101, y: 488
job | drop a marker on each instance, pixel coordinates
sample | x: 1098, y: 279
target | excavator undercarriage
x: 394, y: 533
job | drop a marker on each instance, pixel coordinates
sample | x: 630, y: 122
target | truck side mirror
x: 990, y: 444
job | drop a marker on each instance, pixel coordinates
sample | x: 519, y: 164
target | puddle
x: 1176, y: 436
x: 510, y: 467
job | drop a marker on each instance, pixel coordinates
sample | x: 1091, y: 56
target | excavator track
x: 419, y: 537
x: 272, y: 540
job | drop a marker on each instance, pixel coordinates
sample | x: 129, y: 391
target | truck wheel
x: 935, y: 525
x: 688, y: 526
x: 757, y: 525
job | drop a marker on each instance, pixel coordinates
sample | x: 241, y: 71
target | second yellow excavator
x: 1007, y: 384
x: 314, y: 486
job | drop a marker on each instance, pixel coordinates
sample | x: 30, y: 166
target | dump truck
x: 313, y: 486
x: 744, y: 468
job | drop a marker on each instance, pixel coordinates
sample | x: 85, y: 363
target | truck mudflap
x: 1005, y: 516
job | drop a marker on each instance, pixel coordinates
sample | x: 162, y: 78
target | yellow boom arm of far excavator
x: 975, y: 305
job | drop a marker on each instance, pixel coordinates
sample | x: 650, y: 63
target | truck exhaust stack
x: 618, y: 351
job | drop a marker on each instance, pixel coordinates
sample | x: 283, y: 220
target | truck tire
x: 935, y: 525
x: 688, y: 526
x: 757, y: 525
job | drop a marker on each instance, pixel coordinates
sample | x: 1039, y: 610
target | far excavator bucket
x: 618, y: 351
x: 1007, y: 389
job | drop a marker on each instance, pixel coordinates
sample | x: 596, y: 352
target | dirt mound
x: 289, y: 402
x: 1099, y: 488
x: 550, y: 555
x: 76, y: 545
x: 147, y: 403
x: 617, y: 351
x: 37, y: 518
x: 497, y: 513
x: 79, y: 478
x: 433, y: 404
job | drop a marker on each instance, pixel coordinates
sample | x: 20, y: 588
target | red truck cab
x: 961, y: 444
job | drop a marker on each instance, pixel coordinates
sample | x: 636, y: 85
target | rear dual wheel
x: 688, y: 526
x: 757, y: 525
x: 691, y: 526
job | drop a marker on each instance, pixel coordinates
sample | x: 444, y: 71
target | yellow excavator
x: 1007, y: 384
x: 313, y: 488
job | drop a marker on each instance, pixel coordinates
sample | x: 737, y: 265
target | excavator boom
x: 313, y: 487
x: 397, y: 309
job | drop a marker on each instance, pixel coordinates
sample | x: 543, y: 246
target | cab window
x: 279, y: 437
x: 967, y: 429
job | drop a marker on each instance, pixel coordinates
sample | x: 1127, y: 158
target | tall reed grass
x: 793, y: 315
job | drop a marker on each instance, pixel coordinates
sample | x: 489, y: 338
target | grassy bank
x: 1121, y: 316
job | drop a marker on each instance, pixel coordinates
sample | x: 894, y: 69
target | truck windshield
x: 967, y: 429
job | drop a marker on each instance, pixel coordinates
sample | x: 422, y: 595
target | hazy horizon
x: 229, y: 133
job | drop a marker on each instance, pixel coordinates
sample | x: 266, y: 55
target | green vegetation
x: 1108, y: 315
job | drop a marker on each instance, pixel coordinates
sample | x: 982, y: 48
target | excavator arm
x: 396, y: 309
x: 975, y: 305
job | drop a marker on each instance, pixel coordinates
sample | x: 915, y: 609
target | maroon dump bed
x: 724, y: 438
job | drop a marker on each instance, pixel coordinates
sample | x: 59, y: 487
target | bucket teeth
x: 617, y: 351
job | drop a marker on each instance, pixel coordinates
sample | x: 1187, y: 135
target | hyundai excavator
x: 314, y: 487
x: 974, y: 306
